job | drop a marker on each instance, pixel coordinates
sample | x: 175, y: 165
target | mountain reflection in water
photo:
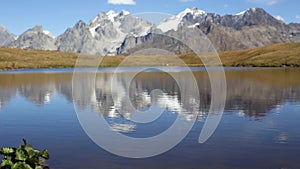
x: 252, y: 92
x: 259, y: 129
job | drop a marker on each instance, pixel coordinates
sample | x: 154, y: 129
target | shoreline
x: 133, y: 69
x: 190, y: 66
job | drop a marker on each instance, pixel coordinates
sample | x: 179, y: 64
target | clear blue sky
x: 57, y: 15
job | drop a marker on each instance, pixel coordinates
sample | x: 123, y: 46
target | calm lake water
x: 260, y: 127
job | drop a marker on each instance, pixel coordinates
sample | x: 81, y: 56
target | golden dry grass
x: 20, y: 58
x: 277, y: 55
x: 270, y: 56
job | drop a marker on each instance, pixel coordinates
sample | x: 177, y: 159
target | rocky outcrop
x: 249, y: 29
x: 6, y: 37
x: 103, y: 35
x: 35, y: 38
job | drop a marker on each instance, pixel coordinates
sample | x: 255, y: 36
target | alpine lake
x: 260, y: 125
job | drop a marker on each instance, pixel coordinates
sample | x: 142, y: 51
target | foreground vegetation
x: 270, y: 56
x: 23, y: 157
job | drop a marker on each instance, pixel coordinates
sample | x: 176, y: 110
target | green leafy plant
x: 23, y: 157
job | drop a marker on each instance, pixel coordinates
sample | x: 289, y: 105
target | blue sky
x: 57, y: 15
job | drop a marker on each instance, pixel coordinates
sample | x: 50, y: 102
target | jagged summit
x: 103, y: 34
x: 6, y: 38
x: 110, y: 15
x: 35, y: 38
x: 174, y: 22
x: 193, y: 11
x: 2, y: 28
x: 248, y: 11
x: 80, y: 24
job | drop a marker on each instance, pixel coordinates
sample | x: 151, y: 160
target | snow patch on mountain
x: 280, y: 18
x: 241, y: 13
x: 173, y: 22
x: 194, y: 11
x: 46, y: 32
x: 194, y: 26
x: 170, y: 24
x: 111, y: 15
x: 244, y: 12
x: 92, y: 30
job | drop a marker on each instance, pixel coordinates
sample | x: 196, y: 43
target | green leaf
x: 33, y: 153
x: 21, y: 154
x: 21, y: 165
x: 27, y: 147
x: 38, y: 167
x: 9, y: 157
x: 6, y: 151
x: 33, y: 161
x: 6, y: 163
x: 41, y: 161
x: 45, y: 154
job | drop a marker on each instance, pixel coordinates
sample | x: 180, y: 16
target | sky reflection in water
x: 260, y: 127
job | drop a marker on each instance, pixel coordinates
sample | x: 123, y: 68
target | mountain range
x: 121, y: 33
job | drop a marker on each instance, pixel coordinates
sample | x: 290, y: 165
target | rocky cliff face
x: 103, y: 35
x: 77, y: 39
x: 121, y: 33
x: 248, y: 29
x: 6, y: 37
x: 35, y: 38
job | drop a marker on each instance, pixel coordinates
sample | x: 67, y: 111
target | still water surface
x: 260, y: 126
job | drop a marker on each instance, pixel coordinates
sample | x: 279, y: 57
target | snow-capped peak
x: 48, y: 33
x: 111, y: 12
x: 124, y: 12
x: 174, y: 21
x: 102, y: 18
x: 252, y: 9
x: 193, y: 11
x: 248, y: 10
x: 111, y: 15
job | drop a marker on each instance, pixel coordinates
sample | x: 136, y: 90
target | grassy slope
x: 18, y: 58
x: 274, y: 55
